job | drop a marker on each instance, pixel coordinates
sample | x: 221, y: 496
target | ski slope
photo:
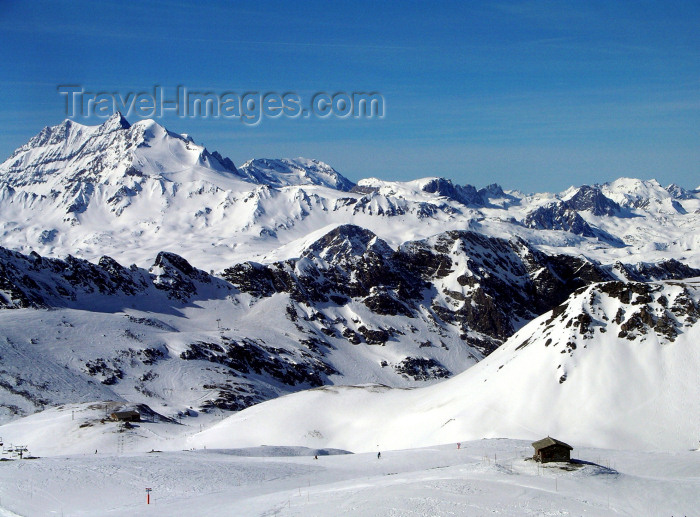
x: 483, y: 477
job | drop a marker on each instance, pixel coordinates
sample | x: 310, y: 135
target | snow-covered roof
x: 548, y: 442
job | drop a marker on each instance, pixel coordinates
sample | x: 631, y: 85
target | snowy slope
x: 616, y: 365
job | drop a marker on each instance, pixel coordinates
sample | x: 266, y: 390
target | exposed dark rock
x: 591, y: 198
x: 619, y: 316
x: 666, y: 325
x: 374, y: 336
x: 231, y: 397
x: 34, y: 281
x: 639, y: 322
x: 666, y: 270
x: 583, y: 322
x: 109, y: 373
x: 492, y: 191
x: 352, y: 336
x: 683, y: 306
x: 624, y: 291
x: 248, y: 357
x: 254, y: 278
x: 466, y: 195
x: 558, y: 216
x: 504, y: 282
x: 173, y: 274
x: 384, y: 303
x: 422, y: 369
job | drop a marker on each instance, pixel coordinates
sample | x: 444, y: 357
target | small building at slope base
x: 549, y: 449
x: 126, y: 416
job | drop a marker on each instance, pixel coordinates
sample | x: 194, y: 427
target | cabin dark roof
x: 548, y: 442
x: 125, y: 414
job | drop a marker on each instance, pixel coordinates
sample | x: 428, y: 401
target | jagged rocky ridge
x: 484, y: 287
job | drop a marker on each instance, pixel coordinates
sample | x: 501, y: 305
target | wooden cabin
x: 549, y: 449
x: 126, y: 416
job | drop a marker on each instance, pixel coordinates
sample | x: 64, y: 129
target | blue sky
x: 535, y: 95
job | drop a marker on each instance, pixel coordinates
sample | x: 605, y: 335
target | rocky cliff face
x: 593, y: 200
x: 479, y: 287
x: 37, y: 282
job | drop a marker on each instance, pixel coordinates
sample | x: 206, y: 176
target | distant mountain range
x: 131, y: 191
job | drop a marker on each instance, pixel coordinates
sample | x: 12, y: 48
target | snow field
x: 483, y: 477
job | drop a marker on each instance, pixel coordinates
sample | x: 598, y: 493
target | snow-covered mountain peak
x: 370, y: 182
x: 115, y: 122
x: 425, y: 189
x: 61, y: 133
x: 493, y: 191
x: 69, y: 134
x: 678, y: 192
x: 657, y: 313
x: 346, y: 243
x: 590, y: 198
x: 634, y: 193
x: 69, y: 153
x: 297, y: 171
